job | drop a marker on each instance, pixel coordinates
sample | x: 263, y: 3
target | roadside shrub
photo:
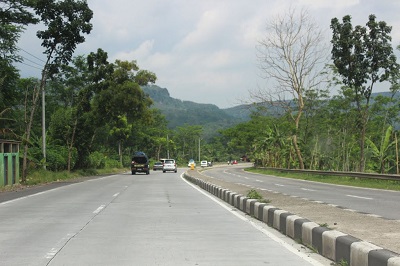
x: 96, y: 160
x: 111, y: 163
x: 253, y: 194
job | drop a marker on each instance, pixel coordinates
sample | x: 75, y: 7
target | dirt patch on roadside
x: 378, y: 231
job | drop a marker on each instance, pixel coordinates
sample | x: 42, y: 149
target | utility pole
x: 43, y: 85
x: 167, y: 146
x: 199, y: 151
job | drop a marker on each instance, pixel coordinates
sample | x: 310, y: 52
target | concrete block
x: 317, y: 238
x: 306, y: 234
x: 277, y: 219
x: 329, y: 243
x: 394, y: 261
x: 359, y: 253
x: 265, y: 213
x: 250, y: 206
x: 343, y: 247
x: 381, y: 257
x: 290, y: 225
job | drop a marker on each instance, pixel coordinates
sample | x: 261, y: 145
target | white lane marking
x: 99, y: 209
x: 18, y: 199
x: 358, y: 197
x: 51, y: 253
x: 60, y: 244
x: 279, y: 185
x: 307, y: 189
x: 257, y: 180
x: 116, y: 195
x: 54, y: 189
x: 276, y: 238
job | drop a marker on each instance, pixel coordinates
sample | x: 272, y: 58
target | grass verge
x: 41, y: 176
x: 339, y: 180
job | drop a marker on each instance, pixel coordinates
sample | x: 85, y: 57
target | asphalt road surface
x: 381, y: 203
x: 156, y: 219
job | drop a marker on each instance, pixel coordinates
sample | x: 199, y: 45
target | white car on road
x: 169, y: 165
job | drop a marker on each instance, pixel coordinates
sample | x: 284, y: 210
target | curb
x: 331, y: 244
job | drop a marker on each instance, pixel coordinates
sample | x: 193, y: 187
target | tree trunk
x: 397, y: 154
x: 71, y: 145
x: 297, y: 123
x: 120, y: 151
x: 28, y: 128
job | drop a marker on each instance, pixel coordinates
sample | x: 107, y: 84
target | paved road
x: 156, y: 219
x: 381, y: 203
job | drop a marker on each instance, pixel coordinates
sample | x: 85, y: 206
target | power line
x: 26, y: 59
x: 31, y: 55
x: 30, y: 65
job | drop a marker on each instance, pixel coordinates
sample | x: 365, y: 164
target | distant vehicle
x: 157, y: 166
x: 234, y: 162
x: 169, y: 165
x: 191, y: 161
x: 140, y: 163
x: 203, y: 164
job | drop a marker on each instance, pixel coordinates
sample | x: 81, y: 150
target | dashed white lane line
x: 358, y: 197
x: 99, y: 209
x: 116, y: 195
x: 279, y: 185
x: 307, y: 189
x: 53, y: 251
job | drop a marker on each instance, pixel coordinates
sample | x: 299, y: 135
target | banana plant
x: 382, y: 154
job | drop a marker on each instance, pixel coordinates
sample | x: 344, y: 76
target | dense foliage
x: 98, y: 113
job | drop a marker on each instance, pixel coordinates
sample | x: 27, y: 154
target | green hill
x: 179, y: 113
x: 211, y: 117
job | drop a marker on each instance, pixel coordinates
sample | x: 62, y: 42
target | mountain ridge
x: 180, y: 112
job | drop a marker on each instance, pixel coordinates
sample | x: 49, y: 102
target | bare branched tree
x: 291, y: 58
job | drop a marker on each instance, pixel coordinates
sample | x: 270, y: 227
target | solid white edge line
x: 258, y: 227
x: 53, y: 189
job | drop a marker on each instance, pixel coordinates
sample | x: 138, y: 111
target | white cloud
x: 205, y: 46
x: 315, y: 4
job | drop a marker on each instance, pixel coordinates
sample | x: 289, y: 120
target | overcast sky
x: 203, y: 50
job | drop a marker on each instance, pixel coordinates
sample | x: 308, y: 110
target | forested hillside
x: 180, y: 113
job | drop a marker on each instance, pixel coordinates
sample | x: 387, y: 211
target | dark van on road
x: 140, y: 163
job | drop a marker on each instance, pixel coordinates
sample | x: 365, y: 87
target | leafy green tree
x: 363, y: 56
x: 187, y: 140
x: 66, y: 22
x: 121, y: 131
x: 14, y: 16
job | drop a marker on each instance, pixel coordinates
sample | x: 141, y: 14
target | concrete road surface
x: 156, y: 219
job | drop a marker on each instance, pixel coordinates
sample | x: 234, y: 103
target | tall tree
x: 291, y: 57
x: 363, y: 56
x: 66, y: 22
x: 14, y: 16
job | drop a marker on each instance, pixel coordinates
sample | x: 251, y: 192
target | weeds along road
x: 156, y: 219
